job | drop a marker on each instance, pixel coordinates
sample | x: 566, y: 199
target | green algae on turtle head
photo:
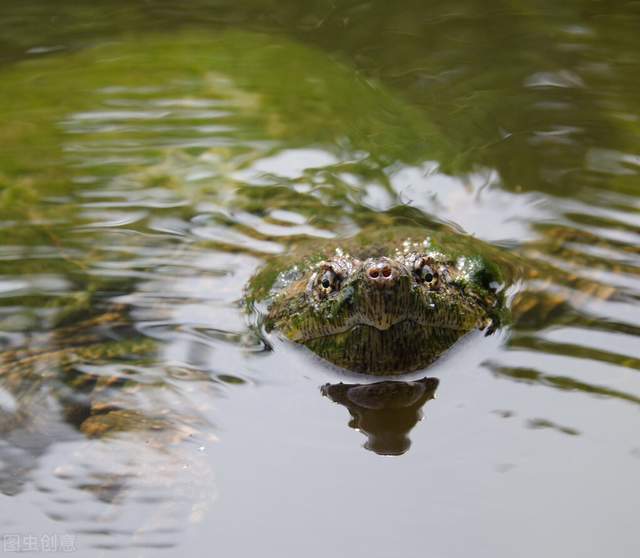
x: 385, y: 302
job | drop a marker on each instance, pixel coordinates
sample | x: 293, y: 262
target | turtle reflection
x: 384, y: 411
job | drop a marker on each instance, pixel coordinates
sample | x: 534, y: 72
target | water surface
x: 154, y: 155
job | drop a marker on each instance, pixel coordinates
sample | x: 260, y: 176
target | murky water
x: 154, y: 155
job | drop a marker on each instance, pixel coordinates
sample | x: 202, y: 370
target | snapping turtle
x: 385, y: 302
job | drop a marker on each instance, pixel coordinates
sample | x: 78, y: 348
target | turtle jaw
x: 403, y: 347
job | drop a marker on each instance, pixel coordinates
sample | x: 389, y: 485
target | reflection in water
x: 385, y: 412
x: 544, y: 423
x: 95, y: 388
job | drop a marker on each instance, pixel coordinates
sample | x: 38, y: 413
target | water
x: 154, y: 155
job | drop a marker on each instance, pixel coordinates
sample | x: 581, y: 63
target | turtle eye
x: 325, y: 281
x: 425, y: 272
x: 329, y: 281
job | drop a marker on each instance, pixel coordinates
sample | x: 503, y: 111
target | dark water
x: 154, y: 154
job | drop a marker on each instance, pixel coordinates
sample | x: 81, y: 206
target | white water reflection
x: 475, y: 202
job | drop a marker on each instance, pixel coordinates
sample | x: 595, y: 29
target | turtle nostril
x: 380, y: 273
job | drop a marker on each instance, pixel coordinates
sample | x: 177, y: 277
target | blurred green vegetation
x: 510, y: 84
x: 281, y: 91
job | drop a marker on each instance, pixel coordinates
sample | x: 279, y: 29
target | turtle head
x: 387, y: 314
